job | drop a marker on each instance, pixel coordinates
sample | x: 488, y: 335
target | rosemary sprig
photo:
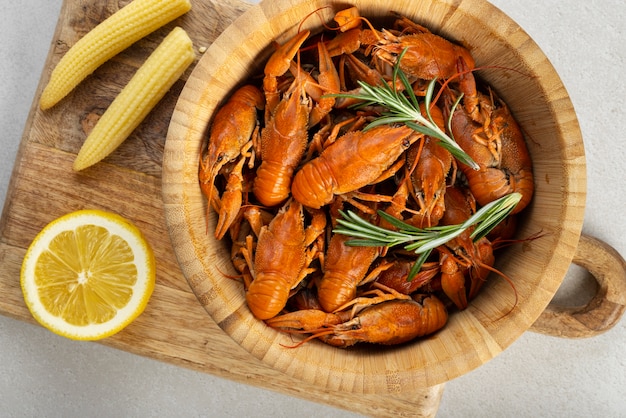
x: 423, y: 240
x: 405, y: 109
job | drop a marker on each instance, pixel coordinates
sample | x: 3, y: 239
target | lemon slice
x: 88, y: 274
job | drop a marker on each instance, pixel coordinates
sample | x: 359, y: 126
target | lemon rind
x: 142, y: 291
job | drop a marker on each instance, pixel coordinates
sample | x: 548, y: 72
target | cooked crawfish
x: 388, y: 323
x: 344, y: 268
x: 427, y: 55
x: 277, y: 65
x: 281, y: 261
x: 283, y: 143
x: 319, y: 89
x: 397, y: 274
x: 354, y: 160
x: 232, y: 130
x: 349, y: 23
x: 428, y: 180
x: 490, y: 135
x: 462, y: 258
x: 232, y: 198
x: 278, y: 181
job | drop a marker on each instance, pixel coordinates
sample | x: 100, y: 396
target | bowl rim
x: 183, y: 204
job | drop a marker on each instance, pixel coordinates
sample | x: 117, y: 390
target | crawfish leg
x: 230, y: 203
x: 277, y: 65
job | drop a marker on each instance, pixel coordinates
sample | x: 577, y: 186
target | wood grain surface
x: 174, y: 327
x: 606, y: 307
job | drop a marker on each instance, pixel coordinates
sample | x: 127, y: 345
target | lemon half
x: 88, y: 274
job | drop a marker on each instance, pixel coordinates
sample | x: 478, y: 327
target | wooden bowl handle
x: 605, y: 309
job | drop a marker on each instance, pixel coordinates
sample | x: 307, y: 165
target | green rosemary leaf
x: 414, y: 102
x: 370, y: 93
x: 358, y: 96
x: 389, y: 120
x: 357, y: 233
x: 452, y: 110
x: 498, y: 211
x: 364, y: 243
x: 451, y: 146
x: 398, y: 223
x: 426, y: 131
x: 421, y: 240
x: 375, y: 123
x: 353, y: 222
x: 357, y: 229
x: 460, y: 155
x: 436, y: 240
x: 428, y: 98
x: 403, y: 107
x: 417, y: 266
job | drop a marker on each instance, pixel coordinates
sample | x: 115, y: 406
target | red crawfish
x: 487, y: 131
x: 461, y: 259
x: 387, y: 323
x: 232, y: 130
x: 354, y: 160
x: 428, y: 180
x: 428, y: 56
x: 283, y: 143
x: 281, y: 259
x: 345, y: 267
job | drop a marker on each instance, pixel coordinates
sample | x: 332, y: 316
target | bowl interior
x: 538, y: 100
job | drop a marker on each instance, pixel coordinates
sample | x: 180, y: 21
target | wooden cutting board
x: 174, y: 328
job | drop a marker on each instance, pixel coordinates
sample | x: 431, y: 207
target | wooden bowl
x: 472, y: 337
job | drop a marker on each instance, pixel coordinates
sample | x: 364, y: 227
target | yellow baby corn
x: 110, y: 37
x: 149, y: 84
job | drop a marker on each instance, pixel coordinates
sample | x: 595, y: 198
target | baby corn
x: 149, y: 84
x: 110, y: 37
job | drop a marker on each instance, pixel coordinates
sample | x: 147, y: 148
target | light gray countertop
x: 538, y: 376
